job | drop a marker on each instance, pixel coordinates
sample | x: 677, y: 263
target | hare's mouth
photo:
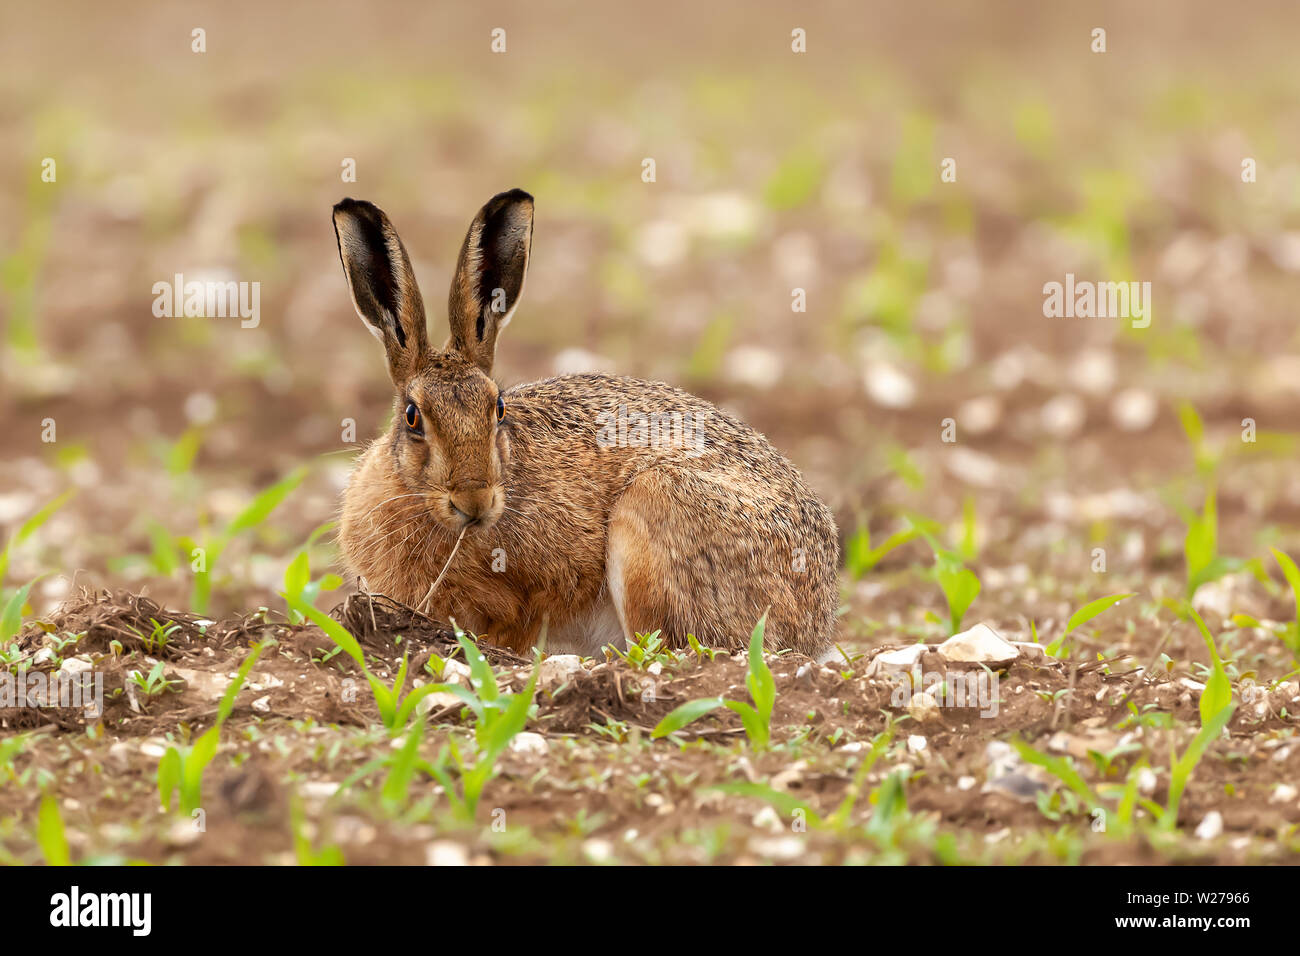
x: 477, y: 512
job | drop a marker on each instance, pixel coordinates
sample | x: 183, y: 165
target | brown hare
x: 607, y: 507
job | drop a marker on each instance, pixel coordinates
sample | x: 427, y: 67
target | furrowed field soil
x: 1063, y: 459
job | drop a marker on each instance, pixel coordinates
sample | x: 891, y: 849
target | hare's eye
x: 412, y: 417
x: 501, y: 408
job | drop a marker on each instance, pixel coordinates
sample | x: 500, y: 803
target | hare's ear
x: 490, y: 275
x: 382, y: 284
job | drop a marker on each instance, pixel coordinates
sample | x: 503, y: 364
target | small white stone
x: 1134, y: 410
x: 753, y: 365
x: 446, y: 853
x: 979, y: 416
x: 598, y: 850
x: 76, y: 665
x: 915, y: 743
x: 978, y: 645
x: 1211, y: 826
x: 768, y: 819
x: 438, y: 700
x: 923, y: 707
x: 888, y: 386
x: 1146, y: 781
x: 528, y: 742
x: 263, y: 704
x: 454, y: 672
x: 558, y: 669
x: 778, y: 848
x: 1093, y: 370
x: 183, y: 833
x: 1283, y: 793
x: 318, y: 789
x: 1063, y: 416
x: 900, y: 661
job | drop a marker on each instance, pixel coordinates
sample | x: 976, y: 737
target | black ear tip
x: 356, y: 207
x: 512, y: 196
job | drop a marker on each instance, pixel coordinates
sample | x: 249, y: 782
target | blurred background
x: 774, y: 171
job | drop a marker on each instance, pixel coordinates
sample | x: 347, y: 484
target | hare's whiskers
x: 394, y: 498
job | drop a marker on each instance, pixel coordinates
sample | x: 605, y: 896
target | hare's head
x: 448, y: 441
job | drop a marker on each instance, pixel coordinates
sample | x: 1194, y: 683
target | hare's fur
x: 600, y: 537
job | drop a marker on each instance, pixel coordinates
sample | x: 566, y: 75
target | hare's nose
x: 471, y: 499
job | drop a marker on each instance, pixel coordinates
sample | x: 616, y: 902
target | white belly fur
x: 587, y: 633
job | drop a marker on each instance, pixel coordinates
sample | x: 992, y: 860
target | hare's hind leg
x: 706, y: 553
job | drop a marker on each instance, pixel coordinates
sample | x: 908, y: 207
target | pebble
x: 446, y: 853
x: 923, y: 707
x: 978, y: 645
x: 528, y: 742
x: 558, y: 669
x: 1211, y: 827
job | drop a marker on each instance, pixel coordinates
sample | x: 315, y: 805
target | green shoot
x: 1081, y: 617
x: 395, y: 710
x: 959, y: 584
x: 50, y: 834
x: 30, y: 527
x: 1291, y: 633
x: 645, y: 650
x: 498, y: 719
x: 756, y: 718
x: 1181, y: 768
x: 298, y: 583
x: 1218, y: 689
x: 181, y: 768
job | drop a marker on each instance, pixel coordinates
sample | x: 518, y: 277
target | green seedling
x: 154, y: 683
x: 498, y: 719
x: 1290, y: 634
x: 28, y: 528
x: 156, y: 641
x: 756, y: 718
x: 298, y: 583
x: 1105, y: 762
x: 1218, y: 688
x: 959, y: 584
x: 700, y: 650
x: 10, y: 749
x: 1092, y: 609
x: 789, y: 805
x: 644, y: 650
x: 181, y: 768
x: 1180, y: 771
x: 395, y: 709
x: 50, y: 835
x: 328, y: 855
x: 1062, y: 768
